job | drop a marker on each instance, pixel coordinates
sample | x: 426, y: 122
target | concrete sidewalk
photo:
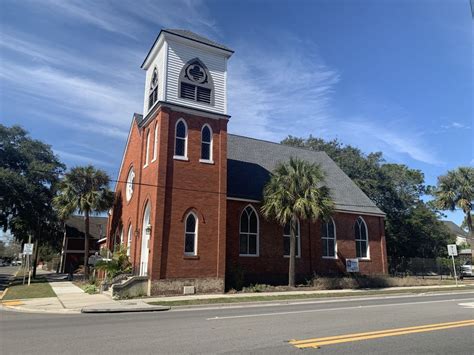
x: 295, y: 293
x: 72, y: 299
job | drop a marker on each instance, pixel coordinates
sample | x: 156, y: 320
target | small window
x: 190, y: 237
x: 153, y: 96
x: 286, y: 240
x: 195, y: 82
x: 248, y: 232
x: 328, y: 238
x: 361, y: 238
x: 206, y: 143
x: 147, y: 154
x: 129, y: 187
x: 129, y: 239
x: 181, y: 139
x: 155, y: 143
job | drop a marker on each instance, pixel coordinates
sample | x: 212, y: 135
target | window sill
x: 190, y: 257
x: 364, y: 259
x: 205, y: 161
x: 296, y: 256
x: 330, y: 257
x: 179, y: 157
x: 249, y: 255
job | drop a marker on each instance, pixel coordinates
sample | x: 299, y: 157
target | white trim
x: 211, y: 144
x: 129, y: 239
x: 147, y: 154
x: 242, y: 199
x: 165, y: 71
x: 335, y: 241
x: 155, y: 143
x: 298, y: 251
x: 361, y: 213
x: 185, y: 156
x: 102, y: 240
x: 365, y: 240
x: 182, y: 109
x: 205, y: 161
x: 248, y: 233
x: 196, y: 228
x: 179, y: 157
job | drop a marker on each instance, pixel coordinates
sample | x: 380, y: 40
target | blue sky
x: 390, y: 76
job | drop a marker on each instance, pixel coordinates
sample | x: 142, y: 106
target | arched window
x: 206, y: 143
x: 155, y: 143
x: 190, y: 235
x: 286, y: 240
x: 328, y: 237
x: 181, y: 140
x: 153, y: 96
x: 361, y: 238
x: 129, y: 187
x: 129, y: 239
x: 195, y: 82
x: 147, y: 153
x: 248, y: 232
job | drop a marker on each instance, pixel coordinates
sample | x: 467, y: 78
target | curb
x: 126, y: 310
x: 30, y: 310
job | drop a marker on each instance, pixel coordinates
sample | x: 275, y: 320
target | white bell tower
x: 186, y: 70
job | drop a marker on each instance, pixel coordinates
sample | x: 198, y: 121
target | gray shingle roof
x: 250, y: 161
x: 198, y: 38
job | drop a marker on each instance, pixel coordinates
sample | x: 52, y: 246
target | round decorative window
x: 129, y: 187
x: 195, y: 72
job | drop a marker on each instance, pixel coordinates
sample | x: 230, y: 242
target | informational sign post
x: 453, y: 251
x: 28, y: 249
x: 352, y: 265
x: 27, y: 253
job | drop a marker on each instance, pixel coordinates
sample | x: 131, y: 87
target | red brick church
x: 188, y: 207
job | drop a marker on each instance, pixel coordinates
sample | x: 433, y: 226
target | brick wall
x: 272, y: 267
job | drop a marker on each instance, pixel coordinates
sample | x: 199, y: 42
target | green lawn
x: 258, y: 298
x: 38, y: 288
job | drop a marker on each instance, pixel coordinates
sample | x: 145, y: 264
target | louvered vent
x: 204, y: 95
x: 188, y: 91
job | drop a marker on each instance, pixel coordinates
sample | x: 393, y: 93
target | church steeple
x: 187, y: 70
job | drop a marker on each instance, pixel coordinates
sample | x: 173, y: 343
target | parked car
x: 16, y: 262
x: 467, y: 269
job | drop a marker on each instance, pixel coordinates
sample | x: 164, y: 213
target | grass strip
x: 256, y: 298
x: 39, y: 288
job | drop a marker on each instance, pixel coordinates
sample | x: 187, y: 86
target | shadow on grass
x: 38, y: 288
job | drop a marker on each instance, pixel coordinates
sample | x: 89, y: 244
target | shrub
x: 119, y: 264
x: 91, y: 289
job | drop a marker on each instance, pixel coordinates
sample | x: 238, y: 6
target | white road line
x: 296, y: 302
x: 334, y: 309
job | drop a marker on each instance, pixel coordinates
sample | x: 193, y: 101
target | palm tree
x: 295, y: 192
x: 84, y: 189
x: 456, y: 190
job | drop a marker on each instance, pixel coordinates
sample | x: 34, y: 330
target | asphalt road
x: 256, y: 329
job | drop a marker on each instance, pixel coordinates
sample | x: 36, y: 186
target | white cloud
x: 101, y: 107
x: 271, y: 95
x: 455, y: 125
x: 129, y: 18
x: 82, y: 158
x: 371, y: 136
